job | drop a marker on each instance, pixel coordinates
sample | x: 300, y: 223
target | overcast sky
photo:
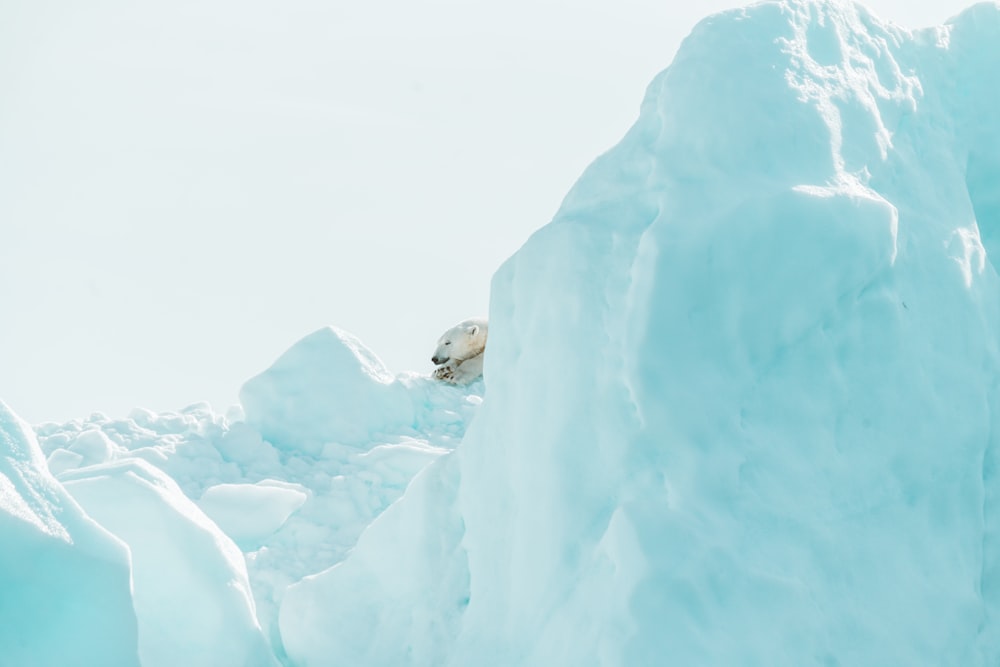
x: 189, y: 187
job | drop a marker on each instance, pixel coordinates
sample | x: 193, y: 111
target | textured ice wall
x: 741, y: 389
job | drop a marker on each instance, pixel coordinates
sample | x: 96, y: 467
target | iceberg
x: 741, y: 388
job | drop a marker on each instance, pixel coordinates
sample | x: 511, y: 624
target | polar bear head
x: 463, y: 341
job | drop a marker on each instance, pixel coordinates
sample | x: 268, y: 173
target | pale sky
x: 189, y: 187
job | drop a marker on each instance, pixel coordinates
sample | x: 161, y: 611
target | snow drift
x: 741, y: 389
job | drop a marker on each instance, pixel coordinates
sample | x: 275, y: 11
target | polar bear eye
x: 447, y: 342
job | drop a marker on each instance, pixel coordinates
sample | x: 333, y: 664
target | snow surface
x: 741, y: 405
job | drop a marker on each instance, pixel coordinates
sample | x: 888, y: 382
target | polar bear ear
x: 473, y: 330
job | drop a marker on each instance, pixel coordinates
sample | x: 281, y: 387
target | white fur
x: 459, y: 353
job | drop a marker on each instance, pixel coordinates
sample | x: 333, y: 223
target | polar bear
x: 459, y: 354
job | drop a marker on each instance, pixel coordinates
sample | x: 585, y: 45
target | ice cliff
x: 741, y: 389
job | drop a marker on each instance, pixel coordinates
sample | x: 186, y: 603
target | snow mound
x: 250, y: 513
x: 64, y: 581
x: 770, y: 438
x: 328, y: 387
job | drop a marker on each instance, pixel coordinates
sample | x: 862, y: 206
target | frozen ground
x: 740, y: 410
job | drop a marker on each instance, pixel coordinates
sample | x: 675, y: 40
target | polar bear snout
x: 437, y: 361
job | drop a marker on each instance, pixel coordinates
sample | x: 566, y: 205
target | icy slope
x: 64, y: 581
x: 741, y: 390
x: 189, y: 491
